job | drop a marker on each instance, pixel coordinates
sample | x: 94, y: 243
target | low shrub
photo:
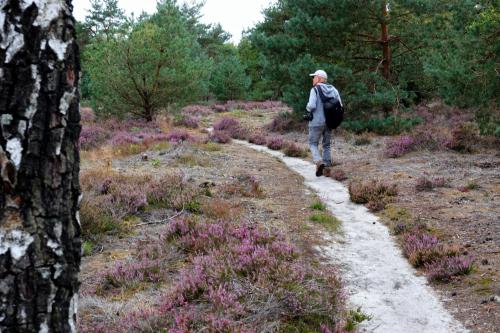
x: 275, y: 143
x: 236, y: 277
x: 391, y: 125
x: 292, y: 149
x: 258, y: 139
x: 375, y: 194
x: 219, y: 136
x: 446, y: 268
x: 226, y: 123
x: 111, y: 198
x: 422, y: 248
x: 464, y: 137
x: 425, y: 184
x: 188, y: 121
x: 245, y: 185
x: 362, y: 139
x: 399, y: 146
x: 178, y: 136
x: 196, y: 110
x: 92, y: 136
x: 282, y: 123
x: 338, y: 174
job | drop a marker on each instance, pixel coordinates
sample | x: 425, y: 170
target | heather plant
x: 258, y: 139
x: 446, y: 268
x: 249, y: 106
x: 422, y: 248
x: 464, y: 137
x: 338, y: 174
x: 275, y: 143
x: 282, y: 123
x: 219, y: 136
x: 399, y: 146
x: 196, y: 110
x: 261, y: 261
x: 292, y: 149
x: 375, y: 194
x: 92, y: 136
x: 362, y: 139
x: 245, y: 185
x: 425, y: 184
x: 226, y: 123
x: 178, y: 136
x: 188, y: 121
x: 111, y: 198
x: 87, y: 115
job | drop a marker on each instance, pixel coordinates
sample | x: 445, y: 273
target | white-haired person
x: 317, y: 123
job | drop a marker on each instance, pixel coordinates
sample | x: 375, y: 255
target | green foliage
x: 391, y: 125
x: 447, y: 49
x: 150, y: 69
x: 318, y: 205
x: 325, y: 219
x: 229, y: 80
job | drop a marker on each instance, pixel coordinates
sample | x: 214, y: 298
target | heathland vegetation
x: 178, y: 238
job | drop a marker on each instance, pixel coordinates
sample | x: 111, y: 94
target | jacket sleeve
x: 311, y: 105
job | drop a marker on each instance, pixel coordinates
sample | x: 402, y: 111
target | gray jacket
x: 316, y: 106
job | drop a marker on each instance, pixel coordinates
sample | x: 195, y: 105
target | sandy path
x: 378, y: 278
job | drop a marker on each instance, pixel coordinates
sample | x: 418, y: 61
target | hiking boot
x: 319, y: 169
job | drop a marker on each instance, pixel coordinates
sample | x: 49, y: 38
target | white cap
x: 320, y: 73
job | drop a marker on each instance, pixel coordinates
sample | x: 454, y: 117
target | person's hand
x: 307, y: 116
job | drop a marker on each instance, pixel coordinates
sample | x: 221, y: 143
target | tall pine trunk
x: 40, y: 244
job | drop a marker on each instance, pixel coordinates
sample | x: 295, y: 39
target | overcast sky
x: 234, y: 15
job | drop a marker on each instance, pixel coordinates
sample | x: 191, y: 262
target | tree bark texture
x: 385, y: 42
x: 40, y: 246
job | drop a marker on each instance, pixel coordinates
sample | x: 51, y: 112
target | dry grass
x: 218, y: 208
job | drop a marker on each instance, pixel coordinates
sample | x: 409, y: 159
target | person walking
x: 317, y: 123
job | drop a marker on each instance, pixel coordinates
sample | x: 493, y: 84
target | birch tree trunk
x: 40, y: 244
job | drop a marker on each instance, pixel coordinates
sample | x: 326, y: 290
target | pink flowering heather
x: 237, y: 277
x: 445, y: 268
x: 92, y: 136
x: 226, y: 123
x: 188, y: 121
x: 292, y: 149
x: 87, y: 115
x: 220, y: 136
x: 178, y: 136
x: 281, y: 124
x: 258, y: 139
x: 275, y: 143
x: 399, y: 146
x: 196, y: 110
x: 422, y: 248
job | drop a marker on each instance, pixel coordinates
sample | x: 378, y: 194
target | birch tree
x: 40, y: 243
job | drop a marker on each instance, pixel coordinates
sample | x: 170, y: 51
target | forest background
x: 384, y: 57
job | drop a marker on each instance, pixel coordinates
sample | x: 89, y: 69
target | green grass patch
x: 318, y: 205
x: 354, y: 318
x: 211, y: 146
x: 193, y: 160
x: 87, y: 248
x: 327, y: 220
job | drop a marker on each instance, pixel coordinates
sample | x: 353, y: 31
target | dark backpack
x: 333, y: 109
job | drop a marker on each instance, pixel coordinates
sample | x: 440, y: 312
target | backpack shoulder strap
x: 320, y: 93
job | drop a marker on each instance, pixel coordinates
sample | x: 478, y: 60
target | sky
x: 234, y: 15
